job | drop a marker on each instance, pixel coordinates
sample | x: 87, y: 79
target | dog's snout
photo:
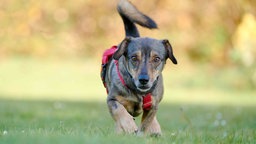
x: 143, y: 79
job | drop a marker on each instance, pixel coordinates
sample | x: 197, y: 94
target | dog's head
x: 145, y: 59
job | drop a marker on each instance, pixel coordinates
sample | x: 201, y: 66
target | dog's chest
x: 132, y: 105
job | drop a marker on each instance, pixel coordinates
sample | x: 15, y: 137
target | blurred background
x: 52, y: 49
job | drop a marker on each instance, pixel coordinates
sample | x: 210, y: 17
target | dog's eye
x: 134, y: 58
x: 156, y: 59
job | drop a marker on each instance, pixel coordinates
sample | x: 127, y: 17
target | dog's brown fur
x: 140, y: 62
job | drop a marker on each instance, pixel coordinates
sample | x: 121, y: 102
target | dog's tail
x: 130, y: 15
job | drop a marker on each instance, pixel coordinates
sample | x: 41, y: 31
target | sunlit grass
x: 50, y: 79
x: 78, y: 79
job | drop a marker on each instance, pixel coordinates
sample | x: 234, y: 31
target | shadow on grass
x: 91, y: 120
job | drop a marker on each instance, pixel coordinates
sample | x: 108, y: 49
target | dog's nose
x: 143, y: 79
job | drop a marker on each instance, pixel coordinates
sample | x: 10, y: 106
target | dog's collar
x: 147, y: 99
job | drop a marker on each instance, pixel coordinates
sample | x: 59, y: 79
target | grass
x: 89, y: 122
x: 52, y: 101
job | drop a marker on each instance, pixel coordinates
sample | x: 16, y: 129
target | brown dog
x: 132, y: 76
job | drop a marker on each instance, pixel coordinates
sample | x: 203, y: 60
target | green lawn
x: 53, y: 101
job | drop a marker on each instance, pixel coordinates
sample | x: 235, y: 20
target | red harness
x: 107, y: 55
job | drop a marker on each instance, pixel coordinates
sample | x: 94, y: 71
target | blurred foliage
x: 217, y: 32
x: 244, y: 53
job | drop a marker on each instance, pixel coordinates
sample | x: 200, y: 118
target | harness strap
x: 119, y: 74
x: 108, y: 54
x: 147, y: 101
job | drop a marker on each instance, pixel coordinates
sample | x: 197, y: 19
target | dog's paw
x: 152, y: 134
x: 127, y: 125
x: 140, y: 133
x: 154, y: 129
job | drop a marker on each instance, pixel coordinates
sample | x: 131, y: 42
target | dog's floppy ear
x: 168, y: 48
x: 122, y: 48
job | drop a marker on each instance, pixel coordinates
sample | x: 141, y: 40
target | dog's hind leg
x: 123, y: 120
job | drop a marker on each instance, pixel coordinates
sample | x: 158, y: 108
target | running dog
x: 131, y: 73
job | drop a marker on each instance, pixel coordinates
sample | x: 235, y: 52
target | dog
x: 131, y: 73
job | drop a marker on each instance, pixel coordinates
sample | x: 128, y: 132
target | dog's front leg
x: 149, y: 124
x: 123, y: 120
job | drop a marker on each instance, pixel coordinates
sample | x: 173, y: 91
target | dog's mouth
x: 143, y: 88
x: 146, y: 87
